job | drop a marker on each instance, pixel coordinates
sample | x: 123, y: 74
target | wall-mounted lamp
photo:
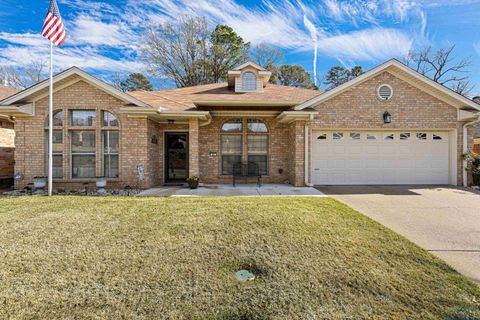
x: 387, y: 117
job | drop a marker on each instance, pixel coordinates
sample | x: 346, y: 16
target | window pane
x: 227, y: 163
x: 249, y: 81
x: 110, y: 166
x: 232, y: 126
x: 57, y: 141
x: 57, y: 119
x: 261, y: 161
x: 83, y: 166
x: 231, y: 144
x: 83, y: 142
x: 255, y: 125
x: 110, y: 142
x: 82, y: 118
x: 257, y: 144
x: 109, y: 120
x: 57, y: 166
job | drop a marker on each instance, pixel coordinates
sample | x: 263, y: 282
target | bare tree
x: 441, y: 66
x: 23, y: 76
x: 178, y: 52
x: 266, y: 56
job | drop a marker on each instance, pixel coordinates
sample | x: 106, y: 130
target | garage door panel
x: 411, y: 160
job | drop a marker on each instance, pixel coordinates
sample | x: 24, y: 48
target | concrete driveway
x: 442, y: 220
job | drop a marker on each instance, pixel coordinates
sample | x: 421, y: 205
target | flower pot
x: 39, y: 183
x: 476, y: 179
x: 101, y: 182
x: 193, y: 184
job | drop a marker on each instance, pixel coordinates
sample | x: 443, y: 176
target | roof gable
x: 65, y: 78
x: 404, y: 73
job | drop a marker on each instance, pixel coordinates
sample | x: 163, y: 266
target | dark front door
x: 176, y: 156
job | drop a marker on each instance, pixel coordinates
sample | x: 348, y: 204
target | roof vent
x: 476, y: 99
x: 385, y: 92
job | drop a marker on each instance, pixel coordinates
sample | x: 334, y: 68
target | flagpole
x: 50, y: 127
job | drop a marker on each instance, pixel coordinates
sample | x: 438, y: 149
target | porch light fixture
x: 387, y: 117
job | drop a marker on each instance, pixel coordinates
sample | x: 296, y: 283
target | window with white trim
x: 249, y: 81
x: 82, y: 153
x: 231, y: 145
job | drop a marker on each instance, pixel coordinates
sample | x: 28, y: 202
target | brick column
x: 297, y: 156
x: 193, y: 153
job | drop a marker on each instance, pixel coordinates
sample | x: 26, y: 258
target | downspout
x: 465, y: 148
x: 307, y: 155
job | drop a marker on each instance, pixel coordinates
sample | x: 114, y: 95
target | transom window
x: 81, y: 150
x: 57, y: 119
x: 249, y: 81
x: 234, y: 136
x: 82, y: 118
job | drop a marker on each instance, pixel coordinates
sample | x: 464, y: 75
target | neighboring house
x: 390, y: 125
x: 7, y: 142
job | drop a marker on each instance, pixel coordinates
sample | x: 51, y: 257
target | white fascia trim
x: 381, y: 68
x: 67, y: 73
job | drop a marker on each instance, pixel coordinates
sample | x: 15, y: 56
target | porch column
x: 193, y: 153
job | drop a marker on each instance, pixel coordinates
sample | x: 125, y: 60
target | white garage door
x: 355, y: 158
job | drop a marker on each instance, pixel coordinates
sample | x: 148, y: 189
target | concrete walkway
x: 442, y: 220
x: 229, y: 190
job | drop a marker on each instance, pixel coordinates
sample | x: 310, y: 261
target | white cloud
x: 367, y: 45
x: 106, y: 37
x: 89, y: 31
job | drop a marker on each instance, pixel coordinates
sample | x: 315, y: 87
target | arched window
x: 257, y: 140
x: 57, y: 149
x: 249, y: 81
x: 57, y: 119
x: 109, y: 119
x: 234, y: 136
x: 110, y: 142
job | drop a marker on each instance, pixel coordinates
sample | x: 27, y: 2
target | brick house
x: 390, y: 125
x: 7, y: 143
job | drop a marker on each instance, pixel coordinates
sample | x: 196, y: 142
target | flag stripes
x: 53, y: 28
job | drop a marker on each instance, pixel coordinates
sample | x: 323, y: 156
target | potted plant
x: 473, y: 166
x: 193, y: 182
x: 39, y: 182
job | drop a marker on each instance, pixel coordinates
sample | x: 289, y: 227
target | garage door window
x: 338, y: 135
x: 390, y: 137
x: 421, y: 136
x: 355, y: 136
x: 371, y: 137
x: 322, y: 136
x: 435, y: 137
x: 404, y: 136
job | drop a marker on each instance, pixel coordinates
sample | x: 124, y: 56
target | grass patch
x: 175, y: 258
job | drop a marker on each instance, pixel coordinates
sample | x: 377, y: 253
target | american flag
x: 53, y: 28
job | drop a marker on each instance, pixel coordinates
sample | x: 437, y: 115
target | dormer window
x: 249, y: 81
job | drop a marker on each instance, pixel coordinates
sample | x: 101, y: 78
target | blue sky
x: 105, y: 36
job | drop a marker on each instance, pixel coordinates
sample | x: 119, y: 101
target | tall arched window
x: 110, y: 142
x: 231, y: 145
x: 249, y: 81
x: 57, y: 149
x: 84, y: 131
x: 257, y: 141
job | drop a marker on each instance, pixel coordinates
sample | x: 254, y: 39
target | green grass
x: 175, y: 258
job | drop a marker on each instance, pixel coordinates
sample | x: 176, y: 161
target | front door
x: 176, y: 156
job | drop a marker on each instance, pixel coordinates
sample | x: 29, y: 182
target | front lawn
x: 175, y: 258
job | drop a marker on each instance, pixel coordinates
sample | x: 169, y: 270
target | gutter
x: 307, y: 154
x: 465, y: 147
